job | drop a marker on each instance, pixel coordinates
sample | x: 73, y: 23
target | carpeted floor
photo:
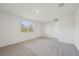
x: 40, y: 47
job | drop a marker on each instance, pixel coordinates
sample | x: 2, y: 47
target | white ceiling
x: 47, y: 11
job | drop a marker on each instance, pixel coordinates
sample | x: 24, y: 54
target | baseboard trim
x: 76, y: 46
x: 65, y: 42
x: 14, y: 43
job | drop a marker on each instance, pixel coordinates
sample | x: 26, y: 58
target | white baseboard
x: 66, y: 42
x: 11, y: 43
x: 77, y: 46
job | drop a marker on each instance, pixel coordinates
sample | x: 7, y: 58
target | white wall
x: 10, y: 30
x: 63, y: 29
x: 67, y: 29
x: 77, y: 29
x: 48, y: 30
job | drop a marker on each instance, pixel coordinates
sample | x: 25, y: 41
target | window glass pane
x: 26, y: 26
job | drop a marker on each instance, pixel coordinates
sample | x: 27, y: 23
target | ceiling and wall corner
x: 47, y: 11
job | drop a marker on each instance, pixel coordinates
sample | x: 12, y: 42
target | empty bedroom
x: 39, y: 29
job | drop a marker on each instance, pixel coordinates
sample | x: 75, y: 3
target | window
x: 26, y: 26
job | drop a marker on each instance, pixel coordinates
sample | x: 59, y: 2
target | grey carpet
x: 40, y: 47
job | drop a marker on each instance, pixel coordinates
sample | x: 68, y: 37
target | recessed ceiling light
x: 37, y: 11
x: 61, y: 5
x: 56, y: 19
